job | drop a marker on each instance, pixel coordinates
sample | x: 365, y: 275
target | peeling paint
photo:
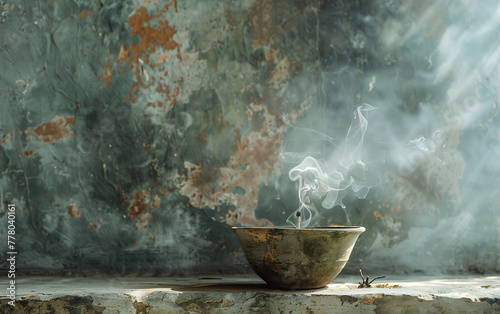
x: 54, y: 129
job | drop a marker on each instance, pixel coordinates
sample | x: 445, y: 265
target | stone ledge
x: 251, y: 295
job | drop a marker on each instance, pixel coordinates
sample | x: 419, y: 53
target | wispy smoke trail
x: 329, y: 183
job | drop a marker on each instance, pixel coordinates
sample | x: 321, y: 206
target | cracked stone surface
x: 135, y: 133
x: 424, y: 294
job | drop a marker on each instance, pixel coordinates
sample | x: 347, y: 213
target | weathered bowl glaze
x: 298, y: 258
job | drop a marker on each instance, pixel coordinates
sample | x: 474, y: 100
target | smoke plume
x: 329, y: 182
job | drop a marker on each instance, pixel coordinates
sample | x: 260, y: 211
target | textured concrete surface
x: 251, y: 295
x: 134, y: 133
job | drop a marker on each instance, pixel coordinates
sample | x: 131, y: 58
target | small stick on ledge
x: 366, y: 283
x: 298, y: 219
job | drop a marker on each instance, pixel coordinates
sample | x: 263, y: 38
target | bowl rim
x: 334, y: 228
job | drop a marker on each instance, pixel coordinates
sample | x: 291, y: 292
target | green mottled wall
x: 133, y: 134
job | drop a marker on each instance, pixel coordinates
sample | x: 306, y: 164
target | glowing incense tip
x: 298, y: 219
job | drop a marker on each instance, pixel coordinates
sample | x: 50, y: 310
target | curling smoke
x: 329, y: 183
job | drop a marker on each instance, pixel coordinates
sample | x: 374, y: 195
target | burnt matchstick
x: 298, y: 219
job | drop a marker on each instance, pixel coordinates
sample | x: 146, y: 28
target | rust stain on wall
x: 256, y: 154
x: 255, y: 158
x: 54, y: 129
x: 124, y: 200
x: 107, y: 74
x: 268, y: 18
x: 378, y: 215
x: 138, y: 206
x: 140, y: 209
x: 156, y: 36
x: 157, y: 201
x: 6, y: 139
x: 28, y: 153
x: 150, y: 37
x: 260, y: 19
x: 73, y: 210
x: 85, y: 14
x: 280, y: 71
x: 142, y: 222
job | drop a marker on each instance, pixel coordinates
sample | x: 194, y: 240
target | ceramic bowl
x: 292, y: 258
